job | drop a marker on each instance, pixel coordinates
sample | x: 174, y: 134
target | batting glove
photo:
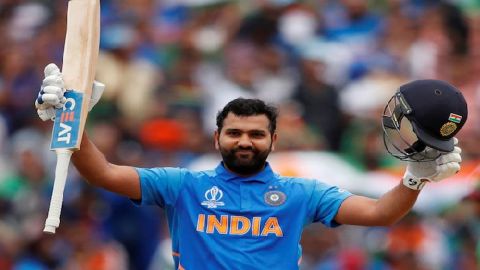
x: 445, y: 165
x: 51, y: 95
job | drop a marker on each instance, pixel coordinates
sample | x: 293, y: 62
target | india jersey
x: 218, y: 220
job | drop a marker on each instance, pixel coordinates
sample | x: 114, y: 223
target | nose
x: 245, y: 141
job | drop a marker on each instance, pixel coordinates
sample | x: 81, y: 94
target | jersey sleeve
x: 325, y: 202
x: 160, y: 186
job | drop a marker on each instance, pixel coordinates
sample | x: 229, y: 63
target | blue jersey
x: 219, y: 220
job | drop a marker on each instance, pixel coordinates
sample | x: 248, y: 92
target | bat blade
x: 78, y: 70
x: 79, y: 63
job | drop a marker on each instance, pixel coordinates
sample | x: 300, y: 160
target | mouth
x: 244, y: 153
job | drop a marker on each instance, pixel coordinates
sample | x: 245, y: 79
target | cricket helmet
x: 423, y: 113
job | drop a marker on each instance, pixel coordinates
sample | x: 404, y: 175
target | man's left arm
x: 393, y: 205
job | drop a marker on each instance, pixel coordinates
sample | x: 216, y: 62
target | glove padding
x: 445, y: 165
x: 51, y: 95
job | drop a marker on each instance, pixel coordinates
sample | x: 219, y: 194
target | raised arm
x: 95, y: 168
x: 89, y: 161
x: 393, y: 205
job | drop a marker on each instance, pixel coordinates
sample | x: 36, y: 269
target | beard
x: 245, y: 160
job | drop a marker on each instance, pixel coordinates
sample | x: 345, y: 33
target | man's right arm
x: 94, y: 167
x: 89, y: 161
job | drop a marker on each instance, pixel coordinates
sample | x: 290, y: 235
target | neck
x: 244, y: 174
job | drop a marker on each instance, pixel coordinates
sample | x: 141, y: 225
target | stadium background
x: 169, y: 66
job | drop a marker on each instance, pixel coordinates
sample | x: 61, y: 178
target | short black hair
x: 249, y: 107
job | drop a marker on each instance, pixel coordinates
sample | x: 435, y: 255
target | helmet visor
x: 399, y: 135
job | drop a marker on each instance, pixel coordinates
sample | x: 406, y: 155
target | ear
x: 216, y: 136
x: 274, y: 140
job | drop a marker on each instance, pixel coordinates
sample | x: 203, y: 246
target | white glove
x: 51, y: 93
x: 445, y: 165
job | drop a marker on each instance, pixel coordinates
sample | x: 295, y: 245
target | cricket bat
x: 78, y: 69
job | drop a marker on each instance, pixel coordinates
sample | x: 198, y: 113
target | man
x: 242, y: 215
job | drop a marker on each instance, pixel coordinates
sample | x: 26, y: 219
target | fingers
x: 61, y: 102
x: 452, y: 167
x: 455, y: 141
x: 454, y: 156
x: 51, y: 69
x: 447, y: 170
x: 448, y: 164
x: 52, y: 89
x: 53, y: 80
x: 46, y: 114
x: 449, y: 158
x: 51, y: 99
x: 51, y: 93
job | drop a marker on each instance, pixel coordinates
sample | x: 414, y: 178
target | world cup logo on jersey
x: 213, y: 196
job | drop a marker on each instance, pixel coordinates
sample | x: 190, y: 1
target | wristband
x: 413, y: 183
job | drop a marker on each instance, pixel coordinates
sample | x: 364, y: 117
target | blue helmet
x: 423, y: 113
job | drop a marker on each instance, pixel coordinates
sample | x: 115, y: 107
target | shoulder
x: 173, y: 175
x: 159, y: 173
x: 308, y: 184
x: 297, y: 181
x: 199, y: 175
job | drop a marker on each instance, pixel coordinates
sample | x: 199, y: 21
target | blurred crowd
x: 169, y: 66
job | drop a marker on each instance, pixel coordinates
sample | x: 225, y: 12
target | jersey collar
x: 264, y: 176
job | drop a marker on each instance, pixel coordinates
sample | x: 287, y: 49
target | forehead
x: 254, y: 122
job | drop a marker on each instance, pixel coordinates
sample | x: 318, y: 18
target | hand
x: 51, y: 95
x: 445, y: 165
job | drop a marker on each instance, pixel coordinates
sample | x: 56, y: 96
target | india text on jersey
x: 238, y: 225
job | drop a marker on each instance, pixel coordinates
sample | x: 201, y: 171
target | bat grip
x: 53, y: 219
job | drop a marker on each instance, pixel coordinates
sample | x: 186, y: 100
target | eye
x: 257, y: 134
x: 233, y: 133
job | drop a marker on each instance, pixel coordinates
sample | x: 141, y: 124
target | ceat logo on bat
x: 67, y: 121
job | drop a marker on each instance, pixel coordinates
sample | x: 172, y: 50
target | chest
x: 255, y: 209
x: 248, y: 198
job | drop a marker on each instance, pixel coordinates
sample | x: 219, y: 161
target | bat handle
x: 53, y: 219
